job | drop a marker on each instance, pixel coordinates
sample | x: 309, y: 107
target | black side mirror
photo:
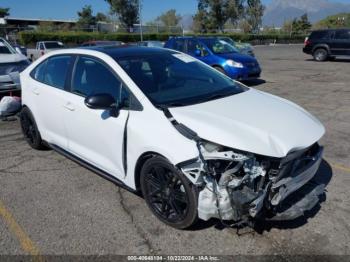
x: 103, y: 102
x: 198, y: 52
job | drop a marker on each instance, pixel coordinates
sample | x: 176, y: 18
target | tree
x: 288, y: 27
x: 4, y: 12
x: 341, y: 20
x: 302, y: 24
x: 86, y: 17
x: 254, y: 14
x: 244, y: 26
x: 169, y: 18
x: 100, y: 17
x: 46, y: 26
x: 201, y: 18
x: 213, y: 14
x: 305, y: 23
x: 235, y: 10
x: 125, y: 10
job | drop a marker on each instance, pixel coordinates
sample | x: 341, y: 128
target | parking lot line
x: 26, y: 243
x: 340, y: 167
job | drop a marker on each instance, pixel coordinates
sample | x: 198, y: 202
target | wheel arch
x: 139, y: 164
x: 323, y: 46
x: 219, y: 66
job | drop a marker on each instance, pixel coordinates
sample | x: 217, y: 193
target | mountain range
x: 279, y: 11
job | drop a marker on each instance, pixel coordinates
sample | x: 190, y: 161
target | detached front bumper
x: 251, y: 188
x: 294, y: 194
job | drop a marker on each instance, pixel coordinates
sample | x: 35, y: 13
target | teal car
x: 243, y: 48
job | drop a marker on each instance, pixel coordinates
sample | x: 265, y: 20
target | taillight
x: 307, y: 41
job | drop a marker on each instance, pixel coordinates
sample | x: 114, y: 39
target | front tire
x: 168, y: 193
x: 220, y: 69
x: 30, y: 130
x: 320, y: 54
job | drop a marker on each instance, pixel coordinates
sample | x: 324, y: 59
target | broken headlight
x: 231, y: 182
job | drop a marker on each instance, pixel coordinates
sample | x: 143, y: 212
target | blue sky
x: 67, y: 9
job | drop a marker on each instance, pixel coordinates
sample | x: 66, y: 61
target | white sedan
x: 194, y: 142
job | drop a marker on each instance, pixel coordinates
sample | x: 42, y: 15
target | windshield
x: 218, y: 46
x: 5, y: 48
x: 155, y: 44
x: 171, y: 79
x: 53, y: 45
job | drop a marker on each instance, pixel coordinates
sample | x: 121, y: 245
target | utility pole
x: 140, y: 17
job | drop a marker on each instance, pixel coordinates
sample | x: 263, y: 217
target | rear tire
x: 168, y: 193
x: 30, y: 130
x: 320, y: 54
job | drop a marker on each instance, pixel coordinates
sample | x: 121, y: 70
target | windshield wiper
x: 172, y: 104
x: 217, y: 96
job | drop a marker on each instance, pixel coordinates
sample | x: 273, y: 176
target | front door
x: 94, y: 135
x: 341, y: 42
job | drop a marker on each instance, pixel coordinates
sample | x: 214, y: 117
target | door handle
x: 69, y: 106
x: 36, y: 91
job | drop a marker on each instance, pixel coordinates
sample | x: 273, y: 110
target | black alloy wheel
x: 168, y: 193
x: 30, y: 130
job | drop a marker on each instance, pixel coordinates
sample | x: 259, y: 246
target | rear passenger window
x: 56, y: 71
x: 179, y: 45
x: 342, y: 35
x: 39, y: 71
x: 322, y: 35
x: 53, y: 71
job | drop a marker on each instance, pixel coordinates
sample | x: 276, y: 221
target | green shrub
x: 29, y: 38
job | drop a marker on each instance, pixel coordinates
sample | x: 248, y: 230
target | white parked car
x: 42, y: 48
x: 196, y: 143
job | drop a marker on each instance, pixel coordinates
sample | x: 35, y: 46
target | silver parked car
x: 11, y: 64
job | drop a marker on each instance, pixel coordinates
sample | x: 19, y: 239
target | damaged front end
x: 239, y: 186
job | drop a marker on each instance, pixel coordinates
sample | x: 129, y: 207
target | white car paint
x: 73, y: 129
x: 252, y: 121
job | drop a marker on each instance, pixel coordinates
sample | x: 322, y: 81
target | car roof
x: 127, y: 50
x: 197, y: 37
x: 102, y: 41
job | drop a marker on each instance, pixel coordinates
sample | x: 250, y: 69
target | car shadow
x: 254, y: 82
x: 337, y: 60
x: 341, y: 60
x: 323, y: 176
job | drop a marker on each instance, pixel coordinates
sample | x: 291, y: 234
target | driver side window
x: 193, y: 45
x: 92, y: 77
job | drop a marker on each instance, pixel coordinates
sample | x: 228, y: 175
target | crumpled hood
x: 252, y: 121
x: 11, y: 58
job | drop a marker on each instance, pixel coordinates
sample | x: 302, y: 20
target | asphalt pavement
x: 49, y: 205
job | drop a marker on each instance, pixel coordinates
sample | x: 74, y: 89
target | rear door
x: 48, y: 90
x: 94, y: 135
x: 341, y: 42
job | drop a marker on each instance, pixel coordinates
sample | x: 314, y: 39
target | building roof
x: 20, y: 19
